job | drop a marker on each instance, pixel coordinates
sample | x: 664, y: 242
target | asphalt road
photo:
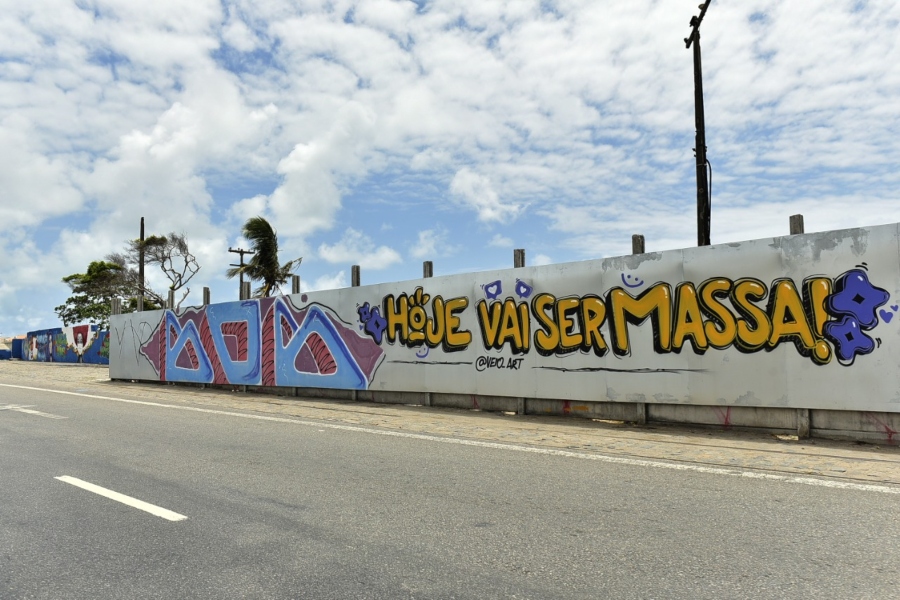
x: 281, y: 507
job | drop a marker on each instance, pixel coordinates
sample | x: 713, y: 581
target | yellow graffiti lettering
x: 489, y: 321
x: 688, y: 319
x: 753, y: 329
x: 787, y: 315
x: 456, y: 339
x: 593, y: 314
x: 435, y: 332
x: 511, y: 328
x: 525, y: 322
x: 721, y: 328
x: 655, y: 303
x: 397, y: 315
x: 815, y: 291
x: 546, y: 339
x: 568, y: 340
x: 417, y: 319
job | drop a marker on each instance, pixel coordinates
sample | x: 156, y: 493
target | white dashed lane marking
x: 127, y: 500
x: 28, y: 411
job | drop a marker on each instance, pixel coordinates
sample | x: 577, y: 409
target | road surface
x: 116, y: 491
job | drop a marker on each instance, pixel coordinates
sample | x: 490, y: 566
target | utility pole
x: 242, y: 252
x: 140, y: 305
x: 703, y: 195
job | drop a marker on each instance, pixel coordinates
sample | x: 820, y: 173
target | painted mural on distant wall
x: 799, y: 318
x: 266, y: 342
x: 77, y: 344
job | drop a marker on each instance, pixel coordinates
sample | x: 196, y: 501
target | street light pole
x: 703, y: 192
x: 141, y: 258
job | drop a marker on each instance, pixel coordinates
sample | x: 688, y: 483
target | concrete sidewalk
x: 847, y: 461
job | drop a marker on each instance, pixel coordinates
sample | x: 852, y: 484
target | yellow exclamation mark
x: 815, y: 291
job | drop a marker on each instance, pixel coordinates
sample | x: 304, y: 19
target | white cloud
x: 237, y: 34
x: 500, y: 241
x: 541, y: 259
x: 475, y: 191
x: 574, y: 125
x: 330, y: 282
x: 429, y: 244
x: 357, y: 248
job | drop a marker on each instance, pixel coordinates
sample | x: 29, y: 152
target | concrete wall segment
x: 804, y: 321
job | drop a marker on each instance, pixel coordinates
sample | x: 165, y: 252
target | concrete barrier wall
x: 805, y: 321
x: 77, y: 344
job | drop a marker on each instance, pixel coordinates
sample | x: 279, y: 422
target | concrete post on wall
x: 518, y: 263
x: 354, y: 282
x: 116, y: 306
x: 803, y: 425
x: 206, y: 298
x: 637, y: 244
x: 637, y: 247
x: 245, y: 291
x: 295, y: 284
x: 170, y: 301
x: 427, y: 272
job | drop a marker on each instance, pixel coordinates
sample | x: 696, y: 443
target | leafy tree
x: 170, y: 253
x: 119, y: 277
x: 92, y: 294
x: 264, y: 266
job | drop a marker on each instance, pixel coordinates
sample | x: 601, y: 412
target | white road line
x: 27, y: 410
x: 128, y: 500
x: 637, y: 462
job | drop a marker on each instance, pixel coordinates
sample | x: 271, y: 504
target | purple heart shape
x: 885, y: 315
x: 894, y: 307
x: 493, y: 290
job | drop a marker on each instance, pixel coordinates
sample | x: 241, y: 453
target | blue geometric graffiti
x: 204, y: 371
x: 245, y: 372
x: 342, y: 371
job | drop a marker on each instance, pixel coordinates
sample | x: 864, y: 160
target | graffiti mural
x: 265, y: 342
x: 777, y: 322
x: 77, y: 344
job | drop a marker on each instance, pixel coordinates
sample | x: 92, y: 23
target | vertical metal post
x: 354, y: 276
x: 703, y: 200
x: 427, y: 269
x: 140, y: 301
x: 518, y: 258
x: 205, y: 296
x: 170, y: 301
x: 295, y: 284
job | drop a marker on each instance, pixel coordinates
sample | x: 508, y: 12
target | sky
x: 383, y: 133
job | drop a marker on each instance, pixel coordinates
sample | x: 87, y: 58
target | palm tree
x: 263, y: 266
